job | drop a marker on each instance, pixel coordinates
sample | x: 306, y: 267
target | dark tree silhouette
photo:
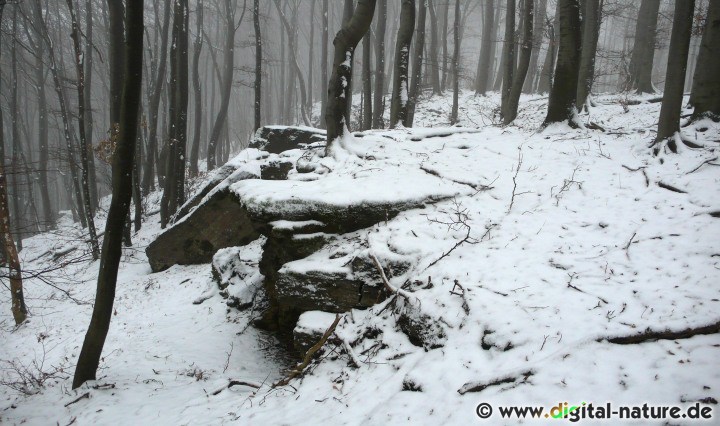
x: 508, y: 59
x: 379, y: 95
x: 523, y: 64
x: 706, y: 82
x: 400, y: 93
x: 641, y: 61
x: 417, y: 62
x: 484, y: 68
x: 591, y: 31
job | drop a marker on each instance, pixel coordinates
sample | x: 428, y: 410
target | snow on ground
x: 570, y: 239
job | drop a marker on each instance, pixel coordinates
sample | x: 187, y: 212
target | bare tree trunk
x: 345, y: 43
x: 18, y: 308
x: 48, y: 213
x: 641, y: 62
x: 523, y: 64
x: 120, y: 203
x: 399, y: 101
x: 197, y: 49
x: 508, y: 60
x: 89, y: 124
x: 17, y: 216
x: 82, y: 130
x: 591, y: 32
x: 706, y: 82
x: 485, y: 61
x: 669, y: 122
x: 538, y: 26
x: 444, y: 40
x: 258, y: 63
x: 563, y: 94
x: 367, y: 82
x: 148, y: 182
x: 434, y: 67
x: 548, y: 69
x: 417, y: 63
x: 378, y: 102
x: 311, y: 60
x: 324, y: 64
x: 347, y: 13
x: 294, y: 63
x: 456, y: 64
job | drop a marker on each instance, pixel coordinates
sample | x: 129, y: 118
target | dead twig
x: 462, y: 294
x: 83, y: 396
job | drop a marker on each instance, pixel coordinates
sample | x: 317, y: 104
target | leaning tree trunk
x: 399, y: 100
x: 434, y: 67
x: 523, y: 64
x: 539, y: 19
x: 120, y: 203
x: 508, y: 60
x: 258, y: 63
x: 197, y: 48
x: 417, y: 63
x: 485, y: 61
x: 378, y: 102
x: 591, y: 32
x: 669, y: 122
x: 563, y: 93
x: 18, y: 308
x: 706, y: 82
x: 345, y: 43
x: 456, y: 64
x: 82, y: 126
x: 641, y: 61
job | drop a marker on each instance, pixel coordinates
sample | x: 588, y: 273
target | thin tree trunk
x: 563, y: 94
x: 456, y: 64
x: 367, y: 82
x: 417, y: 63
x: 434, y: 67
x: 148, y: 182
x: 293, y: 60
x: 345, y: 43
x: 379, y: 95
x: 120, y: 203
x: 258, y: 63
x: 48, y: 213
x: 523, y: 64
x: 444, y: 40
x: 399, y: 100
x: 669, y: 122
x: 591, y: 32
x: 641, y: 61
x: 17, y: 216
x: 197, y: 49
x: 18, y: 308
x: 706, y: 82
x: 485, y: 61
x: 82, y: 130
x: 89, y: 124
x: 347, y: 13
x: 311, y: 60
x: 539, y: 24
x: 324, y: 65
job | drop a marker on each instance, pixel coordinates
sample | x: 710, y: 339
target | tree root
x: 479, y: 387
x: 654, y: 335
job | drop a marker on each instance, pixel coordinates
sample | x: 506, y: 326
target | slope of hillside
x: 556, y: 246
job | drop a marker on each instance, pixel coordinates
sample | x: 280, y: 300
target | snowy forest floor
x: 573, y: 237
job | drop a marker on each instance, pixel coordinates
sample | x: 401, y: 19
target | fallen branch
x: 671, y: 188
x: 654, y: 335
x: 462, y: 294
x: 83, y: 396
x: 233, y: 382
x: 311, y: 352
x: 386, y: 282
x: 479, y: 387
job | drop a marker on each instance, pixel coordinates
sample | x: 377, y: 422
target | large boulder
x: 277, y: 139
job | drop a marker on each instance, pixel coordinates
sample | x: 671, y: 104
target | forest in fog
x: 356, y: 180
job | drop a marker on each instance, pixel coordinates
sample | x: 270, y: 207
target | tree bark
x: 641, y: 61
x: 311, y: 60
x: 258, y: 63
x: 563, y: 93
x: 345, y: 43
x: 367, y: 82
x: 120, y: 203
x: 417, y: 63
x: 324, y: 64
x: 399, y: 100
x: 548, y: 69
x: 523, y: 64
x: 456, y: 64
x: 508, y: 60
x: 669, y: 122
x: 48, y: 213
x: 444, y: 41
x: 591, y: 32
x: 706, y: 82
x: 89, y: 124
x: 378, y: 102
